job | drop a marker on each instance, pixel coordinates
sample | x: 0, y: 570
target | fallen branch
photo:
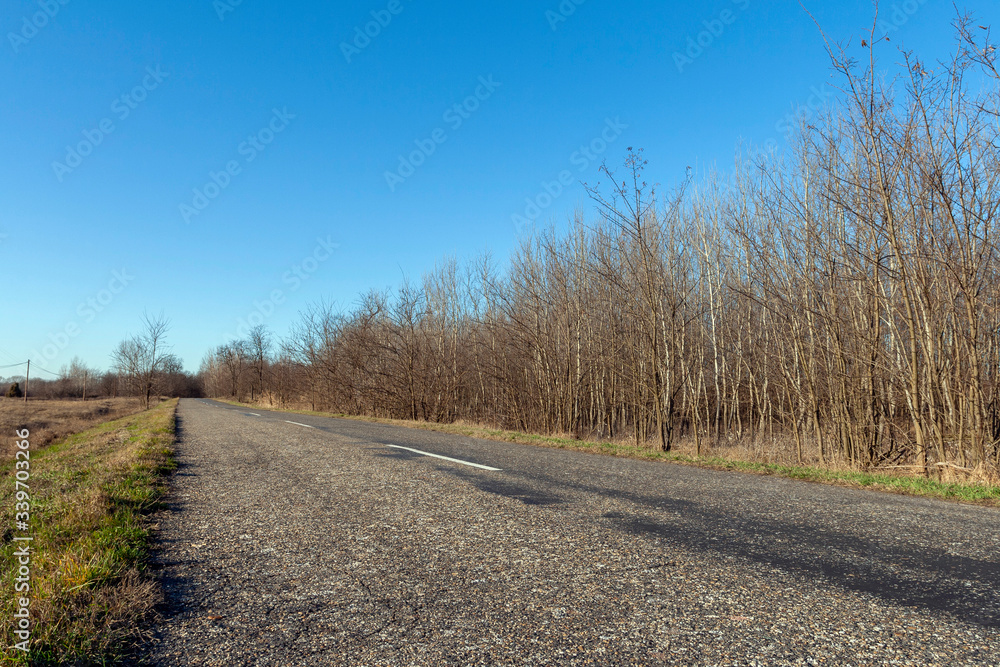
x: 955, y: 467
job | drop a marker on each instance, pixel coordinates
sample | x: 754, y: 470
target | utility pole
x: 26, y: 374
x: 85, y: 386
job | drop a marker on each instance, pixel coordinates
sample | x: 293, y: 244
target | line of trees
x: 77, y: 381
x: 142, y: 367
x: 251, y: 369
x: 843, y: 296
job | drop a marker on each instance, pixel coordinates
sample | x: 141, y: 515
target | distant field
x: 50, y: 420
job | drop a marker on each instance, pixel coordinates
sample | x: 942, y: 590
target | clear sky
x: 209, y: 160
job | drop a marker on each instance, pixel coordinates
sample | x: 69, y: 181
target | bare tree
x: 259, y: 349
x: 141, y: 359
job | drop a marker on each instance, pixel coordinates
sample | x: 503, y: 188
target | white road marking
x: 252, y: 414
x: 446, y: 458
x: 298, y: 424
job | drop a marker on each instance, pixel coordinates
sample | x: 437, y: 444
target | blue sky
x: 211, y: 160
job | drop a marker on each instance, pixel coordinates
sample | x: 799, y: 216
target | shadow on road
x: 177, y: 591
x: 506, y: 488
x: 902, y: 573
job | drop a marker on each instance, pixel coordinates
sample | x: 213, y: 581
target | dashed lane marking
x: 447, y: 458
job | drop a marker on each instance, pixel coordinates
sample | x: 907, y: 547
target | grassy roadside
x: 980, y: 494
x: 90, y: 494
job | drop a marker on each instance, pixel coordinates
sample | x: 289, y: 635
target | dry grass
x: 760, y: 449
x: 50, y: 420
x: 780, y: 450
x: 91, y: 493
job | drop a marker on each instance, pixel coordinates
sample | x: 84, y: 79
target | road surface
x: 299, y: 540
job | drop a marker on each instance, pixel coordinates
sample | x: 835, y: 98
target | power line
x: 49, y: 372
x: 13, y: 365
x: 7, y: 355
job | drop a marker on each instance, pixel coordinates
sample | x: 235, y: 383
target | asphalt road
x: 324, y: 542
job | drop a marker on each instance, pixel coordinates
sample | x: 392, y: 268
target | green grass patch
x: 982, y: 494
x: 91, y: 494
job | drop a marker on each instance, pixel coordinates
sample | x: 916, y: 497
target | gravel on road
x: 296, y: 540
